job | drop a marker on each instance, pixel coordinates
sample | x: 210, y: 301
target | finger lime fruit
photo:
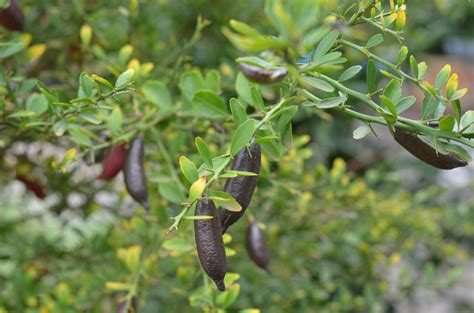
x: 263, y: 76
x: 426, y: 153
x: 134, y: 172
x: 209, y: 242
x: 257, y: 246
x: 242, y: 187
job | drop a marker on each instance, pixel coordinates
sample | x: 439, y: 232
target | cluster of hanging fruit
x: 131, y: 161
x: 208, y: 232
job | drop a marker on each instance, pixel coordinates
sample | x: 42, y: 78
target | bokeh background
x: 352, y: 226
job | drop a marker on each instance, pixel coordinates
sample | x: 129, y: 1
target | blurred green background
x: 351, y: 226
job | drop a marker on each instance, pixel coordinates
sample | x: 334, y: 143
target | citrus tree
x: 129, y: 90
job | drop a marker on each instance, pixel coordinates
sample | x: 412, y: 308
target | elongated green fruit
x: 426, y: 153
x: 242, y: 187
x: 134, y: 172
x: 257, y: 247
x: 263, y: 76
x: 209, y: 243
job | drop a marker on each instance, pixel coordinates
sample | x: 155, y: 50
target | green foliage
x: 109, y: 71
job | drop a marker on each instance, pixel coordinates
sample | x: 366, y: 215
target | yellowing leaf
x: 197, y: 188
x: 112, y: 285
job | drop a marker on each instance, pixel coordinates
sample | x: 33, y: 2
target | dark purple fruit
x: 263, y: 76
x: 209, y: 243
x: 12, y: 17
x: 242, y: 187
x: 426, y: 153
x: 257, y: 247
x: 113, y: 162
x: 134, y: 172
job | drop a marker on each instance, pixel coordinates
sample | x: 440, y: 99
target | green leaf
x: 102, y: 81
x: 467, y: 120
x: 330, y: 102
x: 234, y: 173
x: 326, y: 44
x: 422, y: 67
x: 80, y: 138
x: 91, y: 118
x: 430, y: 106
x: 22, y: 114
x: 447, y: 123
x: 124, y: 78
x: 242, y: 86
x: 158, y: 94
x: 375, y: 40
x: 9, y: 48
x: 196, y: 189
x: 213, y: 81
x: 413, y: 66
x: 244, y: 28
x: 227, y: 298
x: 210, y: 105
x: 371, y: 76
x: 318, y: 84
x: 350, y: 73
x: 242, y: 136
x: 224, y: 200
x: 443, y: 76
x: 238, y: 111
x: 285, y: 117
x: 204, y: 151
x: 328, y: 58
x: 86, y: 86
x: 115, y: 120
x: 457, y: 110
x: 457, y: 150
x: 458, y: 94
x: 257, y: 98
x: 37, y: 103
x: 60, y: 127
x: 189, y: 169
x: 360, y: 132
x: 171, y: 192
x: 189, y: 83
x: 405, y: 103
x: 179, y: 245
x: 402, y: 55
x: 389, y: 105
x: 393, y: 90
x: 452, y: 85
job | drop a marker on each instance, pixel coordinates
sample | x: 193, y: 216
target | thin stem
x: 166, y: 156
x: 382, y: 28
x: 390, y: 65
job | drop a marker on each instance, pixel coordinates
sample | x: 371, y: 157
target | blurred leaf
x: 375, y: 40
x: 37, y: 103
x: 238, y: 111
x: 350, y: 73
x: 371, y: 76
x: 124, y: 78
x: 242, y: 136
x: 189, y: 169
x: 210, y: 105
x: 447, y: 123
x: 361, y: 131
x: 204, y: 151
